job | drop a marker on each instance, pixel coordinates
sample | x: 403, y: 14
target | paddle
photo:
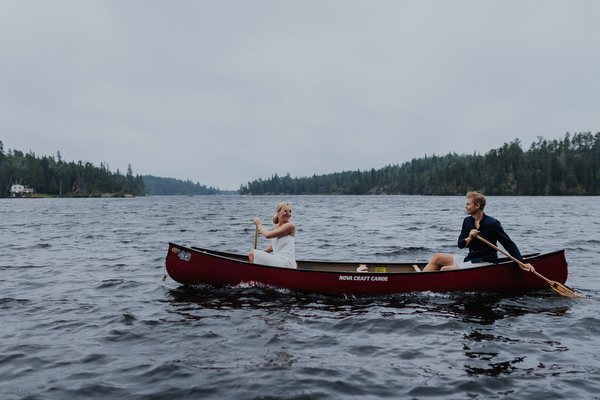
x: 557, y: 287
x: 256, y: 237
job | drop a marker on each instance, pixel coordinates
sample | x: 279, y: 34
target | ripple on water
x: 85, y: 313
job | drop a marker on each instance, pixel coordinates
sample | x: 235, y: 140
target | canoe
x: 197, y: 266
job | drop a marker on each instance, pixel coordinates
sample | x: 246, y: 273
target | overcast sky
x: 225, y: 92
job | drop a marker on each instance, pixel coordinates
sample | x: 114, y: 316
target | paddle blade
x: 565, y: 290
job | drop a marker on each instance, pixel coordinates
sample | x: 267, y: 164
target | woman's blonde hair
x: 279, y: 207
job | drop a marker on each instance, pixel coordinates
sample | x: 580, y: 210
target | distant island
x: 171, y: 186
x: 569, y: 166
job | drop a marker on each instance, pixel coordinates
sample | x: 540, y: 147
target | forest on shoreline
x: 53, y: 176
x: 569, y: 166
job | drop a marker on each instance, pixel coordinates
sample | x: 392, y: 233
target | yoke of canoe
x: 199, y: 266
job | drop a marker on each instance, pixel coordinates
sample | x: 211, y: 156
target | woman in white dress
x: 283, y: 235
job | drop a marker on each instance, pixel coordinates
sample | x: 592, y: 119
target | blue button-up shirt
x: 491, y: 230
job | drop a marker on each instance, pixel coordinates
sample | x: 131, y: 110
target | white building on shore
x: 18, y: 190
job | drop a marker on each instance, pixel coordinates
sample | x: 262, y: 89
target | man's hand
x: 527, y: 267
x: 473, y: 233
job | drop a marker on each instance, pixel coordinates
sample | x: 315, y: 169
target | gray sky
x: 225, y: 92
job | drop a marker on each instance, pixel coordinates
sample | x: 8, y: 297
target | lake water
x: 85, y: 313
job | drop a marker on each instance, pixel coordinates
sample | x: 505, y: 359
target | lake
x: 85, y: 313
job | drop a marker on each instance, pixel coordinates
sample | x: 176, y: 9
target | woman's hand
x: 257, y: 221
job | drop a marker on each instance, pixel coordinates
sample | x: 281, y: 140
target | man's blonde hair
x: 477, y: 198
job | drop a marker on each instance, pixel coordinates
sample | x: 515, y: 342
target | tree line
x: 51, y: 175
x: 568, y: 166
x: 170, y: 186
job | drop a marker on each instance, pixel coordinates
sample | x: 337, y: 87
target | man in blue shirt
x: 480, y: 254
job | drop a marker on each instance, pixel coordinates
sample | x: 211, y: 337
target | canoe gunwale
x: 236, y: 258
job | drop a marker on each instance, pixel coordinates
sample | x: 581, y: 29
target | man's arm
x: 464, y: 236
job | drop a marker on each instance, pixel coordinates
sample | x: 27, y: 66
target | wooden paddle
x: 256, y: 237
x: 557, y: 287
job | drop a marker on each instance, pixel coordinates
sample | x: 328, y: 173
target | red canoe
x: 196, y: 266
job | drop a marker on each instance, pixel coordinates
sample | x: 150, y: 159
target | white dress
x: 283, y: 254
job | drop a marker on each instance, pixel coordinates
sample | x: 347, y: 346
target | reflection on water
x: 475, y: 308
x: 397, y: 325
